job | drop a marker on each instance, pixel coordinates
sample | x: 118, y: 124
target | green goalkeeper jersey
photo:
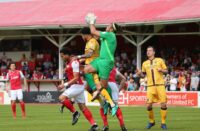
x: 108, y: 45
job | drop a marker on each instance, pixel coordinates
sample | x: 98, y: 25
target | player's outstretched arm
x: 94, y: 31
x: 88, y: 55
x: 91, y: 20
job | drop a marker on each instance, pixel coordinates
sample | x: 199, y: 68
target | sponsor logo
x: 46, y: 98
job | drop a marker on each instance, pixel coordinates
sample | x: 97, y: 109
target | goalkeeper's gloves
x: 90, y: 18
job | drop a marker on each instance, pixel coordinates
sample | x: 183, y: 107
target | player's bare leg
x: 150, y: 115
x: 13, y: 106
x: 163, y: 113
x: 22, y: 105
x: 90, y: 69
x: 88, y: 115
x: 66, y: 101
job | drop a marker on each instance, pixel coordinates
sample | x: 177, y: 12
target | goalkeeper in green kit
x: 105, y: 62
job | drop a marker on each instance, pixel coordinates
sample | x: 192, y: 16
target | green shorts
x: 103, y: 67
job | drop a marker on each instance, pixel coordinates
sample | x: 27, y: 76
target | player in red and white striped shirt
x: 15, y: 76
x: 74, y: 89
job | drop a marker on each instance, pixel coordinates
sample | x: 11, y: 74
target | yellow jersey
x: 154, y: 77
x: 92, y: 44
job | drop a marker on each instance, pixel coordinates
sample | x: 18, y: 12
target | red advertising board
x: 1, y: 98
x: 174, y: 98
x: 132, y: 98
x: 182, y: 98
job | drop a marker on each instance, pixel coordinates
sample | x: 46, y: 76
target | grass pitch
x: 48, y: 118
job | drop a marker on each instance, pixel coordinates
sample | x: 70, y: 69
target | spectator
x: 48, y: 56
x: 40, y: 56
x: 24, y: 60
x: 126, y: 75
x: 188, y: 81
x: 187, y: 62
x: 131, y: 86
x: 40, y: 66
x: 49, y: 74
x: 37, y: 75
x: 193, y: 67
x: 124, y: 56
x: 32, y: 66
x: 130, y: 76
x: 47, y: 64
x: 56, y: 75
x: 194, y: 82
x: 167, y: 82
x: 181, y: 82
x: 173, y: 83
x: 174, y: 62
x: 143, y: 84
x: 25, y: 67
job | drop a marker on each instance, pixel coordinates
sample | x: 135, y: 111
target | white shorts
x: 115, y: 91
x: 16, y: 94
x: 75, y: 91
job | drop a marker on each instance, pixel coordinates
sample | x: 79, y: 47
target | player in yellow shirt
x: 91, y: 53
x: 154, y: 69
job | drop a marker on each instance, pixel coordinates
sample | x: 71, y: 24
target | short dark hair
x: 86, y: 31
x: 66, y: 51
x: 152, y: 48
x: 12, y: 63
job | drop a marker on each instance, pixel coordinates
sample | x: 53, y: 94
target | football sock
x: 69, y: 105
x: 88, y: 116
x: 104, y: 117
x: 120, y: 117
x: 151, y: 115
x: 163, y: 113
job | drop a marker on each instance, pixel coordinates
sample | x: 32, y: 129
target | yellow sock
x: 151, y: 116
x: 105, y: 94
x: 163, y: 115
